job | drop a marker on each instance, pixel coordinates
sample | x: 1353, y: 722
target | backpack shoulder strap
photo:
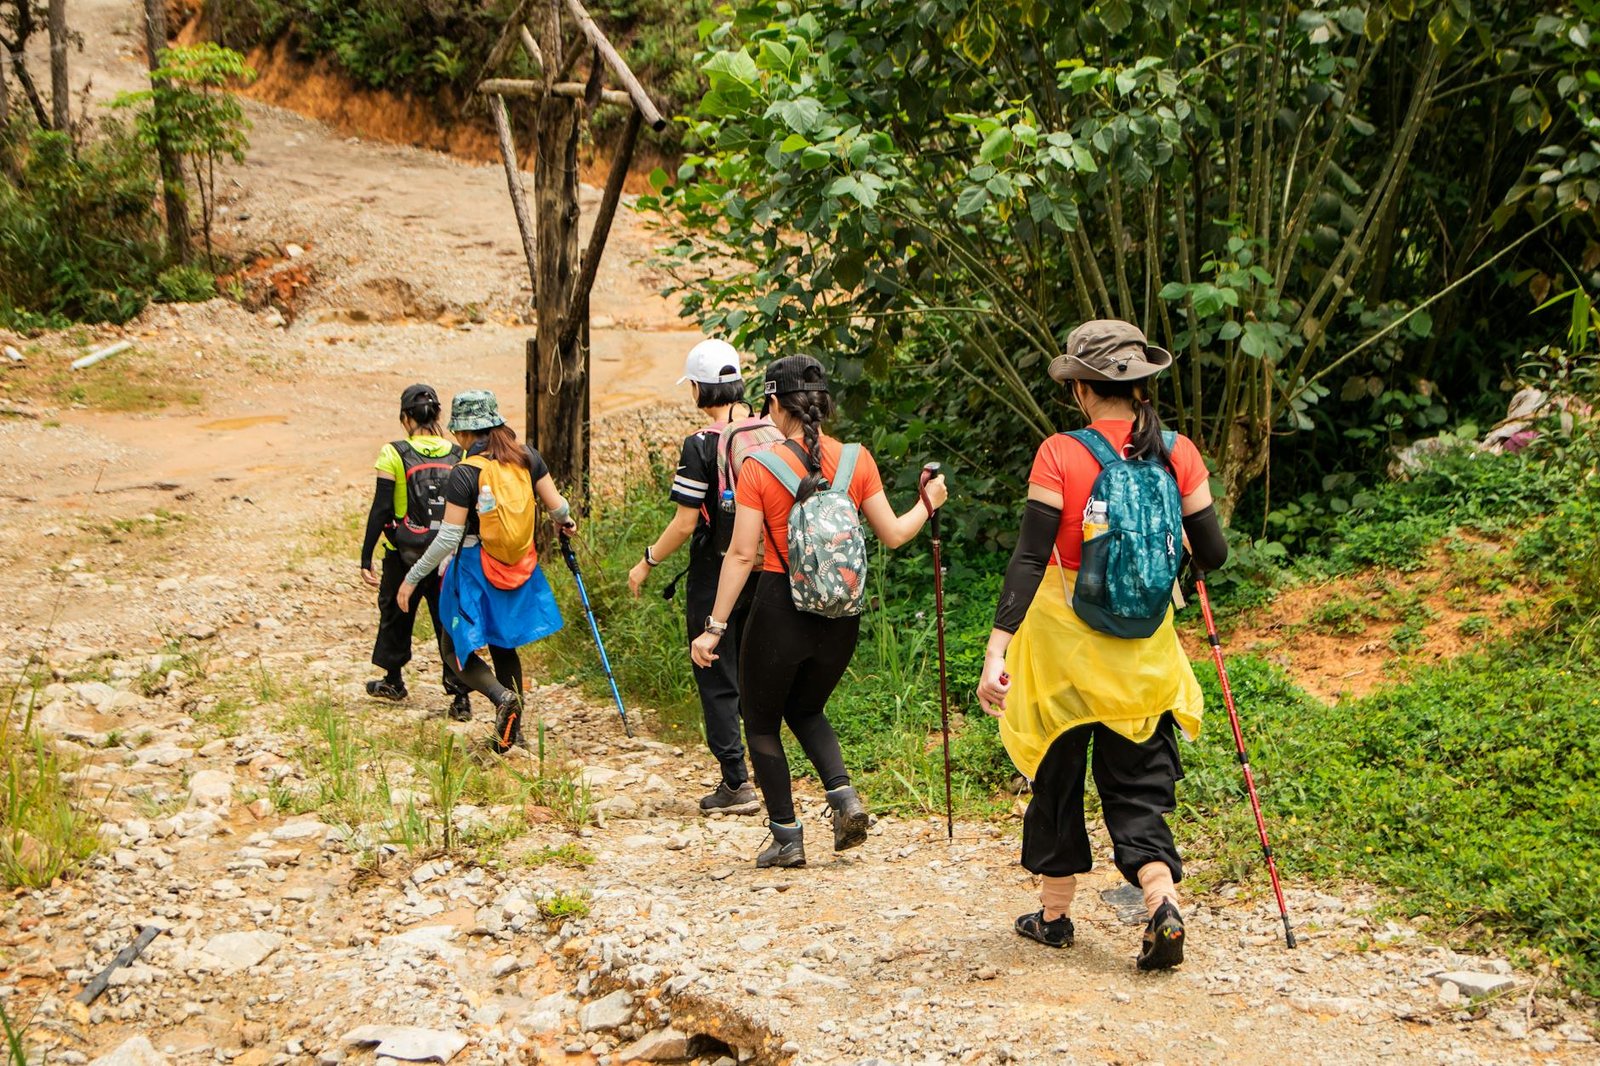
x: 779, y: 468
x: 481, y: 462
x: 849, y: 455
x: 1098, y: 446
x: 1169, y: 437
x: 408, y: 455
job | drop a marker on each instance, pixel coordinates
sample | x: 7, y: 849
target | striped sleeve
x: 696, y: 475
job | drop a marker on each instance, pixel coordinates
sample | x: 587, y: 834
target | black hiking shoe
x: 1054, y: 934
x: 850, y: 819
x: 788, y: 847
x: 461, y: 708
x: 725, y: 800
x: 507, y: 723
x: 384, y: 689
x: 1163, y: 939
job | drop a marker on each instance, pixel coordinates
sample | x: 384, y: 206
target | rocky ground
x: 185, y: 629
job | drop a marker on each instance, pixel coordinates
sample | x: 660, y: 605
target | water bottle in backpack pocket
x: 1132, y: 541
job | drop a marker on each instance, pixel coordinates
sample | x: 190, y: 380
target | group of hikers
x: 1083, y: 666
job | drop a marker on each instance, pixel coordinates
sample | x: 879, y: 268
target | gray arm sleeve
x: 447, y: 541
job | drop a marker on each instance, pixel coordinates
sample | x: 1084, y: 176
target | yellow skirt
x: 1065, y: 674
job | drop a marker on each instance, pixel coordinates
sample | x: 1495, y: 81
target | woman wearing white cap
x: 717, y: 389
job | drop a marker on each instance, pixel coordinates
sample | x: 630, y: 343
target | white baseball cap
x: 707, y: 360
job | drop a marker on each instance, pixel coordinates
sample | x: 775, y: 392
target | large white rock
x: 211, y: 789
x: 240, y: 951
x: 1475, y: 985
x: 408, y: 1042
x: 610, y: 1012
x: 663, y: 1045
x: 135, y: 1052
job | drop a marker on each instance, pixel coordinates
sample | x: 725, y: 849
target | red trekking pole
x: 1244, y: 760
x: 930, y: 472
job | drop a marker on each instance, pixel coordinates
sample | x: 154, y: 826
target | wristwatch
x: 649, y: 556
x: 714, y: 626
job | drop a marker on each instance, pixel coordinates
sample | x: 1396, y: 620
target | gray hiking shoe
x: 788, y: 848
x: 850, y: 819
x: 725, y: 800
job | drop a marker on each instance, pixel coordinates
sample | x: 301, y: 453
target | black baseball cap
x: 417, y: 395
x: 795, y: 373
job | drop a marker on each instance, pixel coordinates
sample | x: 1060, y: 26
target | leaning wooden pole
x: 602, y: 44
x: 60, y: 84
x: 578, y: 304
x: 172, y: 190
x: 519, y: 196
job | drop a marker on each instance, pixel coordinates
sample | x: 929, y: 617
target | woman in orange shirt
x: 791, y: 660
x: 1062, y: 684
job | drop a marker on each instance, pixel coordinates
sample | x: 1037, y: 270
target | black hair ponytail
x: 811, y: 408
x: 1146, y: 441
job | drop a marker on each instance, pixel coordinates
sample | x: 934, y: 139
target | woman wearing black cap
x: 407, y: 504
x: 1063, y: 685
x: 791, y: 660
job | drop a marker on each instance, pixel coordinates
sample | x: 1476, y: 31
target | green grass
x: 569, y: 854
x: 560, y: 906
x: 47, y: 826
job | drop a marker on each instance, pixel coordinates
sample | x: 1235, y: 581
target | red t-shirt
x: 759, y: 489
x: 1065, y: 466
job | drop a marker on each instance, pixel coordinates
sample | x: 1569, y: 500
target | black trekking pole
x: 930, y: 472
x: 1244, y: 760
x: 594, y: 627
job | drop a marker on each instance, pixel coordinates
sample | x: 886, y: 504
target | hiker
x: 493, y: 592
x: 407, y: 505
x: 703, y: 489
x: 1066, y: 683
x: 792, y: 658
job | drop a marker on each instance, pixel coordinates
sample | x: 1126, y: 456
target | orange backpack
x: 507, y: 510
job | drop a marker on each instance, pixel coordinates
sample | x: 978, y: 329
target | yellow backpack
x: 506, y: 527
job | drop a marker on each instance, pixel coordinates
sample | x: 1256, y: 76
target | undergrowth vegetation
x: 47, y: 827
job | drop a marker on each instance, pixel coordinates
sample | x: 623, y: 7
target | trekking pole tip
x: 1288, y: 933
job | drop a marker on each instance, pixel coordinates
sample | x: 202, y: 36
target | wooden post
x: 60, y: 88
x: 604, y: 215
x: 558, y: 394
x: 519, y: 197
x: 172, y: 189
x: 602, y: 45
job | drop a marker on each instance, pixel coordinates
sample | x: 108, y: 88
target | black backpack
x: 426, y: 477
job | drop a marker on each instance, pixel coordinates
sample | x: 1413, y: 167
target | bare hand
x: 637, y: 577
x: 936, y: 493
x: 370, y: 576
x: 704, y: 649
x: 403, y: 597
x: 993, y: 686
x: 569, y: 527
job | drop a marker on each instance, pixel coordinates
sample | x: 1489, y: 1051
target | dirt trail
x: 186, y: 578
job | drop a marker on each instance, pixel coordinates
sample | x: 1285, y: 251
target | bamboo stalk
x: 597, y: 38
x: 519, y: 196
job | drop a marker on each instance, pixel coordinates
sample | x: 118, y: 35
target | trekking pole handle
x: 929, y: 472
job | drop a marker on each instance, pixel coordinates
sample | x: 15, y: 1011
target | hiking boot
x: 1052, y: 934
x: 384, y: 689
x: 850, y: 818
x: 1163, y: 939
x: 725, y: 800
x: 788, y: 847
x: 507, y: 722
x: 461, y: 708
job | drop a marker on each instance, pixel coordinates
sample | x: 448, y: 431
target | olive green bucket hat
x: 474, y: 410
x: 1107, y: 349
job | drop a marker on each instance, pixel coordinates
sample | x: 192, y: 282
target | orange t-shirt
x: 1065, y: 466
x: 759, y: 489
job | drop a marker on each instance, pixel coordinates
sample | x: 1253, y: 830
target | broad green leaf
x: 1116, y: 14
x: 814, y: 158
x: 997, y: 145
x: 733, y: 70
x: 1083, y: 159
x: 1173, y: 290
x: 1421, y: 324
x: 793, y: 143
x: 971, y: 201
x: 1229, y: 330
x: 800, y: 114
x: 1446, y: 27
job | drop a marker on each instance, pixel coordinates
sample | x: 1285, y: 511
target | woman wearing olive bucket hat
x: 493, y: 592
x: 1062, y: 686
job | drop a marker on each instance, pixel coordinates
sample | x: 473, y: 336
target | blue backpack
x: 1133, y: 541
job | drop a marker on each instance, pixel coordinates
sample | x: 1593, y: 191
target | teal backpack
x: 827, y: 558
x: 1128, y: 569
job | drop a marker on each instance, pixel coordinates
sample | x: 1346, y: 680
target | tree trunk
x: 5, y: 88
x: 558, y: 379
x: 60, y: 90
x: 172, y: 190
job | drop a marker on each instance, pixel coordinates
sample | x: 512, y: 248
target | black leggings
x: 507, y: 673
x: 790, y: 665
x: 392, y: 648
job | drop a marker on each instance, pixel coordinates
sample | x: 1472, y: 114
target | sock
x: 1055, y: 895
x: 1156, y: 880
x: 394, y: 678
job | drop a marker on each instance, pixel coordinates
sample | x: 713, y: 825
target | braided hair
x: 811, y: 407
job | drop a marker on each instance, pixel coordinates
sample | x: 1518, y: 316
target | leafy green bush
x: 1473, y: 789
x: 185, y: 285
x: 80, y: 239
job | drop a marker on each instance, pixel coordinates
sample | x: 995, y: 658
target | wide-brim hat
x: 474, y: 410
x: 1108, y: 349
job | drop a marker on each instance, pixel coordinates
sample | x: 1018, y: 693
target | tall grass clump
x: 46, y: 829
